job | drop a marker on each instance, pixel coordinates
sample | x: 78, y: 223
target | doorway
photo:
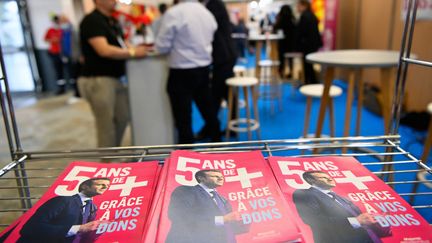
x: 15, y: 46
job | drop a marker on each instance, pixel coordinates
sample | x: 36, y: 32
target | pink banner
x: 330, y: 25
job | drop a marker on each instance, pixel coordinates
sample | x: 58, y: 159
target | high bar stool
x: 316, y: 91
x: 270, y: 84
x: 297, y: 77
x: 239, y: 71
x: 234, y: 124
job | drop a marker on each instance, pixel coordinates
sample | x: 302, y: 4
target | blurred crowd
x: 202, y: 40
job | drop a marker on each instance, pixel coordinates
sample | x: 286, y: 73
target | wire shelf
x: 380, y: 154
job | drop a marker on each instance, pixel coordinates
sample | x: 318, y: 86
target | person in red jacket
x: 53, y: 37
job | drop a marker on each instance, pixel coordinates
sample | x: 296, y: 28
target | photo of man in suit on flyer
x: 67, y: 218
x: 200, y: 214
x: 331, y: 217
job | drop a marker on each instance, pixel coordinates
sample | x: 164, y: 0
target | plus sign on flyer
x: 357, y: 181
x: 244, y: 177
x: 127, y: 187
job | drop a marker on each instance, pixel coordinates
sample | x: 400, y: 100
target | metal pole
x: 4, y: 108
x: 12, y: 135
x: 403, y: 66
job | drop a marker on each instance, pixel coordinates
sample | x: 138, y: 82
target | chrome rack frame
x: 30, y: 173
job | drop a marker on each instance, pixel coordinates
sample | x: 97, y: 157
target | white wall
x: 40, y: 12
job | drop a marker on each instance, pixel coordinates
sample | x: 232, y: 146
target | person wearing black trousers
x: 224, y: 57
x: 308, y: 37
x: 285, y: 21
x: 189, y: 61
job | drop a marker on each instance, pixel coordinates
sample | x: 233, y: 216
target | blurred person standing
x: 240, y: 34
x: 285, y: 22
x: 53, y: 37
x: 266, y: 24
x: 69, y: 56
x: 308, y: 37
x: 224, y: 57
x: 186, y: 34
x: 105, y: 51
x: 156, y: 23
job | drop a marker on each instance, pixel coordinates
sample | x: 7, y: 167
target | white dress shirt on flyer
x: 186, y: 33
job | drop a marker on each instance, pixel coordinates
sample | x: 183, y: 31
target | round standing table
x: 355, y: 61
x: 272, y: 49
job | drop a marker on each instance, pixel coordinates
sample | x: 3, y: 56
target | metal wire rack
x: 24, y: 180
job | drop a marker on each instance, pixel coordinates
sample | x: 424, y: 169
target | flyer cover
x: 337, y: 199
x: 91, y: 202
x: 216, y: 198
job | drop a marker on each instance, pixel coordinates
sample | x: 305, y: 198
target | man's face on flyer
x: 323, y: 181
x: 98, y: 187
x: 213, y: 179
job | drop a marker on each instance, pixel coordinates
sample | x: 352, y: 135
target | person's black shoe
x: 216, y: 139
x: 202, y: 135
x: 60, y: 92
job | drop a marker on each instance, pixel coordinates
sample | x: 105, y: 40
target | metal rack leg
x: 360, y: 98
x: 350, y: 97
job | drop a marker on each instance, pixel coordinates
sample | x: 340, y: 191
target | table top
x: 266, y: 37
x: 355, y: 58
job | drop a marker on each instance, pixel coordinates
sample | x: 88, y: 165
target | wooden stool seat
x: 316, y: 91
x: 242, y: 124
x: 268, y: 63
x: 242, y: 81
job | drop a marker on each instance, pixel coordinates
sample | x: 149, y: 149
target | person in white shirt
x: 186, y: 35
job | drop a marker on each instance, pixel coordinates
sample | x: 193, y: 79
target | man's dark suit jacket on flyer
x: 327, y: 218
x: 52, y: 221
x: 192, y: 213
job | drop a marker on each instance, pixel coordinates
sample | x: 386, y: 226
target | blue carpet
x: 287, y: 123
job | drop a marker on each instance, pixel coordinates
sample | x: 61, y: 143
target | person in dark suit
x: 285, y: 21
x: 331, y: 217
x: 308, y: 37
x: 199, y: 214
x: 224, y: 56
x: 66, y: 218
